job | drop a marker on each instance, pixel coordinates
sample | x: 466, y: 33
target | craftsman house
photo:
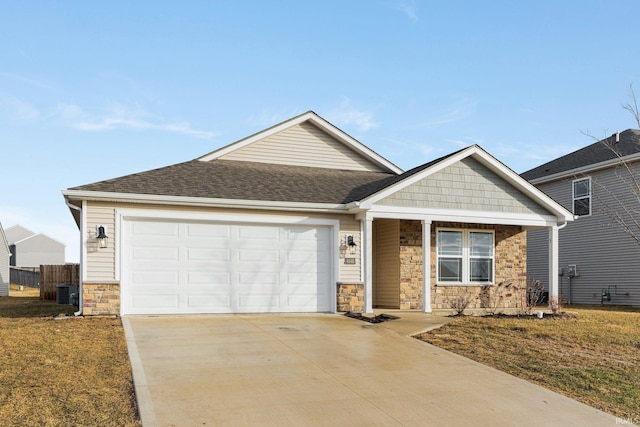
x: 301, y: 217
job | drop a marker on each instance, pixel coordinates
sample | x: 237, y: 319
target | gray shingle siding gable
x: 465, y: 185
x: 604, y: 254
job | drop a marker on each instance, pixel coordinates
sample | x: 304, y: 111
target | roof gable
x: 305, y: 140
x: 486, y: 171
x: 17, y: 232
x: 465, y: 185
x: 38, y: 240
x: 600, y: 154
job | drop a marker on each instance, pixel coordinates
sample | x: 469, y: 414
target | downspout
x: 72, y: 206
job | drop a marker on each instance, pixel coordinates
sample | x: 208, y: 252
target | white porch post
x: 553, y: 265
x: 368, y: 264
x: 426, y: 266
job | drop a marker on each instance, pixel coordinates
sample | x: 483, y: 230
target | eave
x: 97, y: 196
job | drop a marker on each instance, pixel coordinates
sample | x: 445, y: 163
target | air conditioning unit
x: 67, y: 294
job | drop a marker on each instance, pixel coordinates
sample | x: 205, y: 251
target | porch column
x: 553, y: 265
x: 367, y: 246
x: 426, y: 266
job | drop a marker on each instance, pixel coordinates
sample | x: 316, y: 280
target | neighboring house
x: 301, y: 217
x: 30, y: 250
x: 598, y: 259
x: 4, y: 264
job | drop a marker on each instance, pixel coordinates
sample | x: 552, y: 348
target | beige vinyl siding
x: 465, y: 185
x: 603, y: 253
x: 101, y: 262
x: 303, y: 145
x: 386, y: 274
x: 350, y: 273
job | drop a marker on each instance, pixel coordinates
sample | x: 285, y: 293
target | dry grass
x: 593, y: 357
x: 62, y: 371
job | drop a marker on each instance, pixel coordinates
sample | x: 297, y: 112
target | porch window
x: 582, y: 197
x: 465, y: 256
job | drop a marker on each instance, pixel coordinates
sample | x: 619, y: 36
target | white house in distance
x: 4, y: 264
x: 30, y: 250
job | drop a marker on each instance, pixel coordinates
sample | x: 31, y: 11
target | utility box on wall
x: 572, y: 270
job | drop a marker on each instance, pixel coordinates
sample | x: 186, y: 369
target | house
x: 4, y: 264
x: 598, y: 258
x: 302, y: 217
x: 30, y: 250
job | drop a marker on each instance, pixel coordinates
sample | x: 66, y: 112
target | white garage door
x: 197, y: 267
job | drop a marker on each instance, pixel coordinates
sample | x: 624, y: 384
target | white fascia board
x: 586, y: 169
x: 455, y: 215
x: 319, y: 122
x: 490, y: 162
x: 200, y: 201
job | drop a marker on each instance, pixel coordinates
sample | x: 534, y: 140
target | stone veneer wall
x: 510, y: 268
x: 350, y: 297
x: 410, y: 265
x: 100, y: 299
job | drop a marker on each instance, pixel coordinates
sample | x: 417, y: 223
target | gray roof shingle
x: 227, y: 179
x: 597, y: 152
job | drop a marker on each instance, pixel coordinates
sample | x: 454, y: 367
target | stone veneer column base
x: 350, y: 296
x: 100, y: 299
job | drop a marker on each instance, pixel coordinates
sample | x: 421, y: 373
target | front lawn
x: 59, y: 370
x: 592, y: 356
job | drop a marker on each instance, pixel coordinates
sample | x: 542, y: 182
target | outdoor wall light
x: 101, y: 237
x: 351, y: 244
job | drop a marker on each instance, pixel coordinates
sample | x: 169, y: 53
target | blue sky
x: 95, y: 90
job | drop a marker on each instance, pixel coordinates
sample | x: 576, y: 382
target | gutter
x: 79, y: 312
x: 205, y: 202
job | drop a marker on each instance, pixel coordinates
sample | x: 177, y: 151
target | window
x: 465, y: 256
x: 582, y: 197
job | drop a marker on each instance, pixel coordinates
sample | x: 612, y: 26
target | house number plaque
x: 349, y: 260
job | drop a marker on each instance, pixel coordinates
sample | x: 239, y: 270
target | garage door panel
x: 151, y: 279
x: 255, y: 234
x: 161, y: 303
x: 258, y: 255
x: 155, y: 229
x: 208, y: 254
x: 211, y: 302
x: 213, y: 280
x: 208, y: 231
x: 197, y: 267
x: 261, y: 278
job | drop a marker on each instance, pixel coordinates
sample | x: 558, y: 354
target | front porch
x: 399, y: 254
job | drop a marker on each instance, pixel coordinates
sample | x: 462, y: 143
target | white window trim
x: 466, y: 257
x: 574, y: 198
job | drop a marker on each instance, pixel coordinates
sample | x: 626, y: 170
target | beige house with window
x: 301, y: 217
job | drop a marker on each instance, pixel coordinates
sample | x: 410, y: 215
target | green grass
x: 592, y: 356
x: 62, y: 371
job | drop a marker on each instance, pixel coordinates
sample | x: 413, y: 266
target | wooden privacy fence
x: 53, y: 275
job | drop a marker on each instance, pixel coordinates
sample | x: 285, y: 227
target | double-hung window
x: 582, y: 197
x: 465, y: 256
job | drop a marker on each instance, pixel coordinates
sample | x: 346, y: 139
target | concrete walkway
x: 324, y: 369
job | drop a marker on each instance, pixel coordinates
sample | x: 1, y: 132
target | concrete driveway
x: 324, y: 369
